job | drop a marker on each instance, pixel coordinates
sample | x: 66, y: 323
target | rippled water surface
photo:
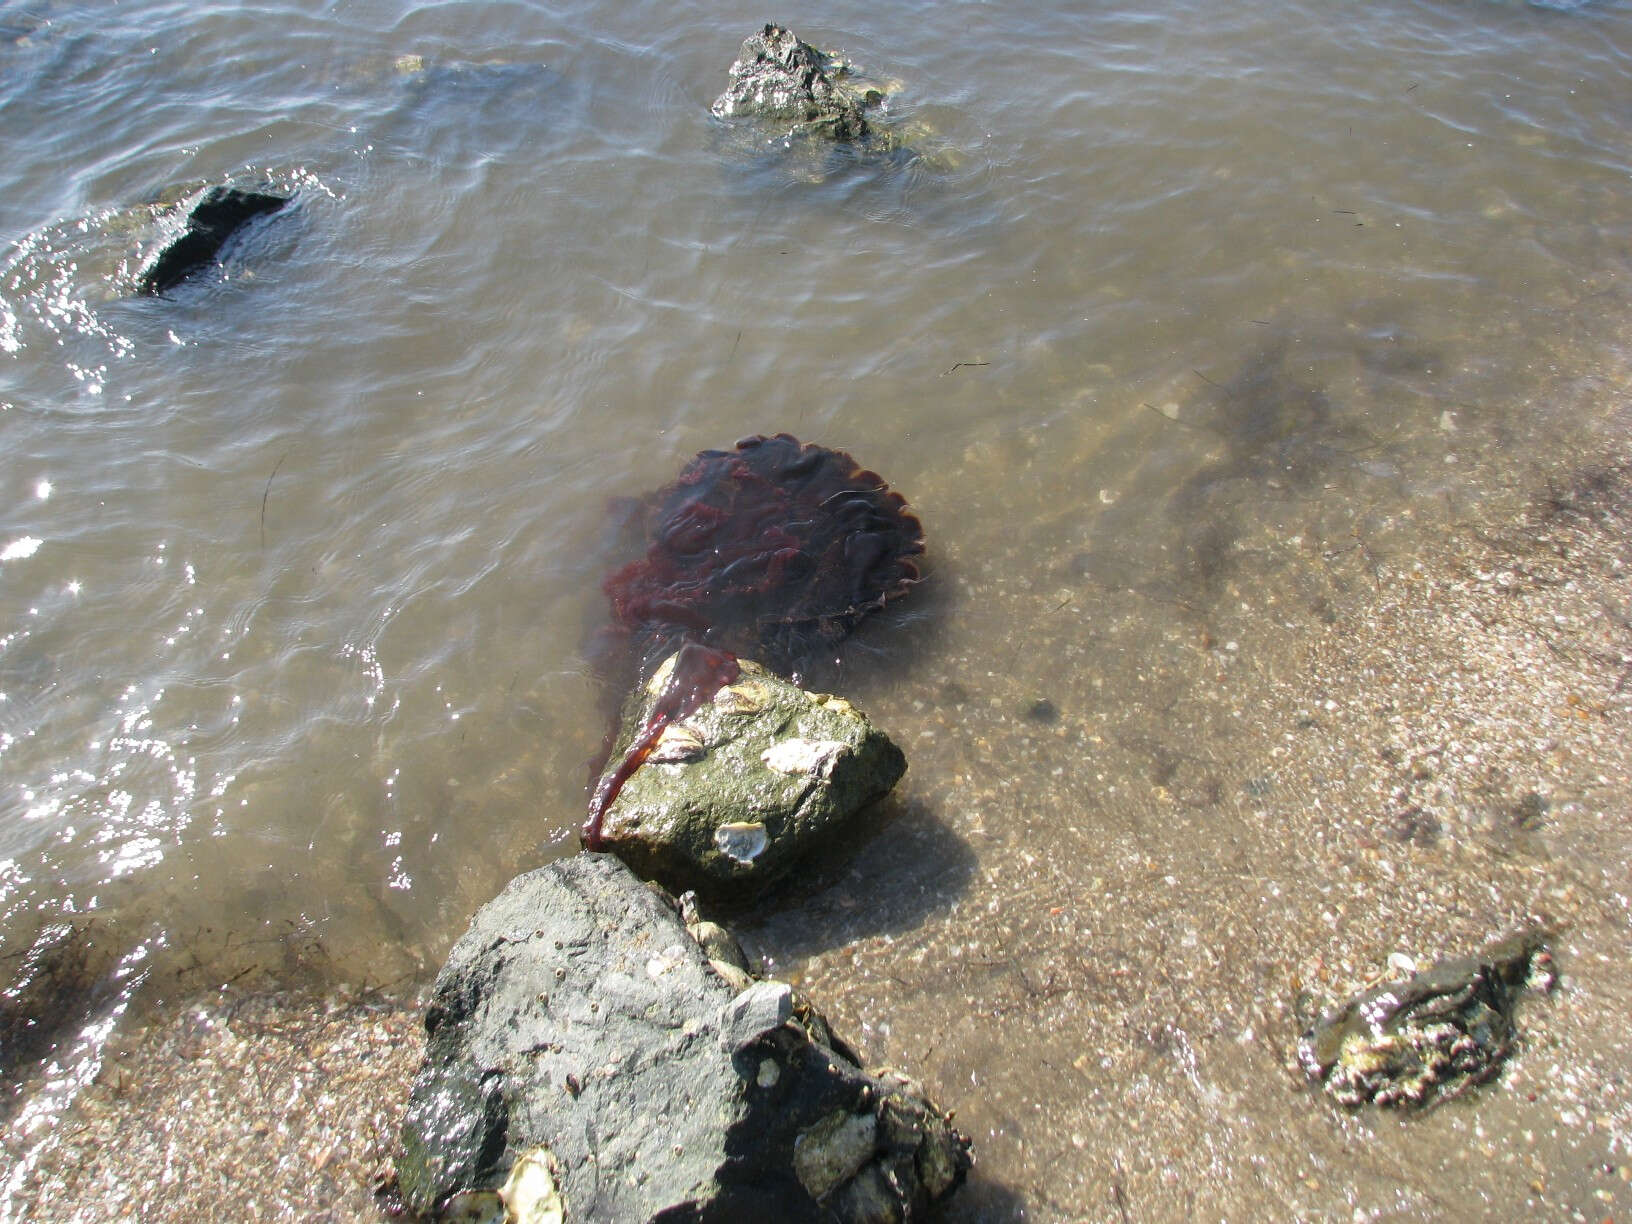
x: 1168, y: 305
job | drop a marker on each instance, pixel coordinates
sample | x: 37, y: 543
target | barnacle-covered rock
x: 814, y: 113
x: 780, y: 79
x: 755, y: 778
x: 1432, y: 1035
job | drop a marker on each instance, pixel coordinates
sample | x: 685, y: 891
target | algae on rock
x: 735, y: 793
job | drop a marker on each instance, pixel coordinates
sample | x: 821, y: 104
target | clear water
x: 297, y: 565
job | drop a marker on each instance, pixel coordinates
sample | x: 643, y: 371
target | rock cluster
x: 780, y: 79
x: 1430, y: 1036
x: 599, y: 1051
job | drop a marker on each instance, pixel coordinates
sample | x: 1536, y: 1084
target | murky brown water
x: 1190, y: 323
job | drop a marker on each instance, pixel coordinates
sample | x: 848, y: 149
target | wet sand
x: 235, y: 1107
x: 1110, y: 986
x: 1441, y: 757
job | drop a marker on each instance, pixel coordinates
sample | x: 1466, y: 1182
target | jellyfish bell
x: 776, y: 549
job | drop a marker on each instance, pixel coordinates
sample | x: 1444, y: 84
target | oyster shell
x: 1430, y: 1036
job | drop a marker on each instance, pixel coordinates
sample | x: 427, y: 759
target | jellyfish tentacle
x: 699, y: 672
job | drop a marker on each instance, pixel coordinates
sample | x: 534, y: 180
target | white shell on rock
x: 660, y: 677
x: 530, y: 1195
x: 473, y: 1207
x: 744, y: 697
x: 802, y: 756
x: 834, y: 1151
x: 671, y: 957
x: 742, y: 840
x: 837, y: 705
x: 679, y: 742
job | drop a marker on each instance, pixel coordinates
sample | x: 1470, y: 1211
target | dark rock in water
x: 780, y: 79
x: 1043, y: 711
x: 585, y: 1055
x: 731, y: 795
x: 1431, y: 1036
x: 214, y: 217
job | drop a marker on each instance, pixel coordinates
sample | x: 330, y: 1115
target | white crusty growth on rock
x: 803, y: 756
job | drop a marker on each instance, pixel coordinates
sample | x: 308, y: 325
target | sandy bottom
x: 266, y: 1107
x: 1097, y: 927
x: 1097, y: 945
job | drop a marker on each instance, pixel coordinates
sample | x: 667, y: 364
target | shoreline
x: 1469, y: 710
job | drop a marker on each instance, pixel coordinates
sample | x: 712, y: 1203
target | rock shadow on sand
x: 911, y: 866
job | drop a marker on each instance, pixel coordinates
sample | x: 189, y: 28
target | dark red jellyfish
x: 773, y: 550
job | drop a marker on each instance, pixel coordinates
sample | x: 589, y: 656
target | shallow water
x: 1178, y: 304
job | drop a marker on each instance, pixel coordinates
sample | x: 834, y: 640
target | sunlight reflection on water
x: 297, y: 566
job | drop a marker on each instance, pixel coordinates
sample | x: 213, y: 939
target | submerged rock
x: 1431, y: 1036
x: 586, y: 1056
x: 782, y: 80
x: 211, y: 218
x: 50, y: 989
x: 733, y: 794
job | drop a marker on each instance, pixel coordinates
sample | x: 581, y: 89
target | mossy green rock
x: 737, y: 792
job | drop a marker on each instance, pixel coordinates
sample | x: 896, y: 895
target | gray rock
x: 779, y: 79
x: 580, y: 1042
x: 758, y: 1011
x: 734, y: 794
x: 1431, y: 1036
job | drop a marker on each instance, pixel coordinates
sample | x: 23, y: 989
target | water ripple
x: 296, y: 636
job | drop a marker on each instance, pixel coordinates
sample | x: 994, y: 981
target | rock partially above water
x: 1431, y: 1036
x: 735, y: 793
x: 211, y: 218
x: 780, y: 79
x: 586, y: 1056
